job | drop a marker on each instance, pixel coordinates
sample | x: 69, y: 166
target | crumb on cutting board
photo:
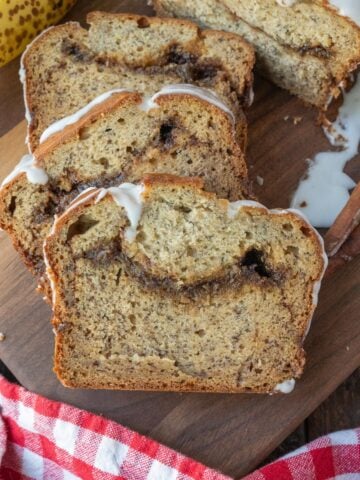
x: 295, y: 119
x: 260, y: 180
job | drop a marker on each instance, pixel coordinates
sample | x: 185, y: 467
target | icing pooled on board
x: 285, y: 387
x: 324, y: 192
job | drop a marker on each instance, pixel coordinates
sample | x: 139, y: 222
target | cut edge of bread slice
x: 298, y: 70
x: 213, y: 44
x: 314, y: 29
x: 153, y: 281
x: 234, y: 68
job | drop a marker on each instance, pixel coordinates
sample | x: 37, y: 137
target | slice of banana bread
x: 162, y: 286
x: 67, y: 66
x: 122, y: 137
x: 306, y: 48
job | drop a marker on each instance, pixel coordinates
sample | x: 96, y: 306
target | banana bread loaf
x: 162, y: 286
x: 305, y: 47
x: 67, y: 66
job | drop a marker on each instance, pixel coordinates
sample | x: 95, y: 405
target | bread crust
x: 70, y: 28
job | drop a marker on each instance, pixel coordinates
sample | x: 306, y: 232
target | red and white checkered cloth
x: 333, y: 457
x: 42, y: 439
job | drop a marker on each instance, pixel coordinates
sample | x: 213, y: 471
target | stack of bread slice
x: 304, y: 46
x: 120, y: 138
x: 133, y: 212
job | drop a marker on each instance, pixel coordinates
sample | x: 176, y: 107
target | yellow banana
x: 22, y: 20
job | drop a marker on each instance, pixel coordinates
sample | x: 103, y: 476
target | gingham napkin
x: 335, y: 456
x: 42, y: 439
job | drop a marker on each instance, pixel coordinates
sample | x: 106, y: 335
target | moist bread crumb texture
x: 68, y: 66
x: 207, y: 296
x: 308, y: 48
x: 119, y: 141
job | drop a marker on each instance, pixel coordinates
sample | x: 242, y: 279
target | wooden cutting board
x: 232, y: 433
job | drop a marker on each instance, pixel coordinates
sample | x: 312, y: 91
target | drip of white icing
x: 184, y: 88
x: 285, y: 387
x: 22, y: 75
x: 234, y: 207
x: 69, y: 120
x: 348, y: 8
x: 50, y: 276
x: 251, y: 96
x: 22, y: 72
x: 128, y: 196
x: 286, y: 3
x: 27, y: 165
x: 324, y: 192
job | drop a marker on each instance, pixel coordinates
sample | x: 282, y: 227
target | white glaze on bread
x: 147, y: 104
x: 177, y: 216
x: 128, y: 196
x: 27, y: 165
x: 187, y: 89
x: 69, y: 120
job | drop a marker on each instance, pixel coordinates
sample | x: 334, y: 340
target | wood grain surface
x: 232, y: 433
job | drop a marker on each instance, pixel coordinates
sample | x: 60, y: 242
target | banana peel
x: 22, y: 20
